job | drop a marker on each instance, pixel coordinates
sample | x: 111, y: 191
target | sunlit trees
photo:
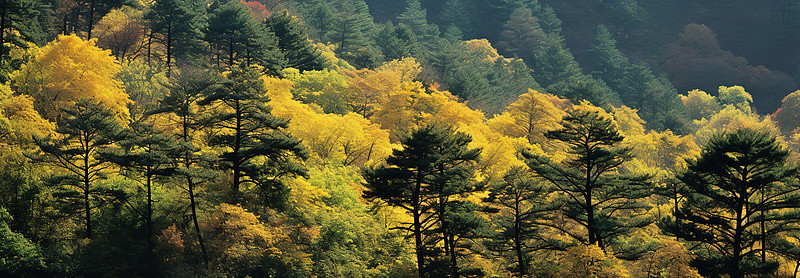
x: 83, y: 130
x: 594, y: 195
x: 737, y: 199
x: 67, y: 70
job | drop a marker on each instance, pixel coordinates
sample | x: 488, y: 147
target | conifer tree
x: 636, y: 84
x: 518, y: 204
x: 177, y: 25
x: 236, y: 38
x: 19, y: 25
x: 739, y: 198
x: 146, y: 154
x: 433, y: 168
x: 416, y: 18
x: 455, y: 13
x: 83, y: 130
x: 249, y: 131
x: 293, y: 43
x: 521, y: 35
x: 594, y: 196
x: 185, y: 91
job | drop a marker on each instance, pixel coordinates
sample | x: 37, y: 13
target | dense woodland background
x: 373, y: 138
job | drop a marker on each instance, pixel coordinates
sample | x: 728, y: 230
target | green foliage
x: 636, y: 84
x: 82, y: 131
x: 237, y: 39
x: 178, y: 26
x: 294, y: 43
x: 600, y: 202
x: 19, y: 257
x: 255, y: 147
x: 424, y: 179
x: 736, y: 201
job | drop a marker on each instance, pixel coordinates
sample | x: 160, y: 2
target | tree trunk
x: 86, y: 184
x: 418, y: 226
x: 3, y: 14
x: 150, y: 244
x: 518, y: 241
x: 91, y: 19
x: 237, y: 145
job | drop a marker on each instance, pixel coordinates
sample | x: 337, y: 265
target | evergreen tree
x: 637, y: 86
x: 177, y: 25
x: 424, y: 178
x: 518, y: 204
x: 521, y: 35
x: 351, y: 34
x: 145, y: 154
x: 185, y: 91
x: 739, y: 198
x: 249, y: 132
x: 83, y: 130
x: 237, y: 38
x: 396, y: 42
x: 416, y: 18
x: 19, y: 25
x: 602, y: 203
x: 552, y: 62
x: 455, y: 13
x: 293, y: 43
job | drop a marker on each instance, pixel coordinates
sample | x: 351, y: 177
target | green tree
x: 637, y: 86
x: 602, y: 203
x: 249, y: 133
x: 83, y: 130
x: 145, y: 153
x: 455, y: 13
x: 518, y: 204
x: 424, y: 178
x: 185, y: 91
x: 293, y: 42
x: 19, y: 25
x: 521, y: 35
x: 738, y: 200
x: 177, y: 25
x: 19, y: 257
x: 237, y: 38
x: 396, y: 41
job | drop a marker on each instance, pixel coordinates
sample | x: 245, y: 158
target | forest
x: 414, y: 138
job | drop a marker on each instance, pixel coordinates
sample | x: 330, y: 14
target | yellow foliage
x: 699, y: 104
x: 69, y: 69
x: 236, y: 238
x: 19, y: 122
x: 369, y: 88
x: 589, y: 261
x: 529, y: 117
x: 349, y: 139
x: 629, y: 122
x: 736, y: 96
x: 730, y: 119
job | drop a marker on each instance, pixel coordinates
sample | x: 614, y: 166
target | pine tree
x: 293, y: 43
x: 738, y: 199
x: 594, y: 196
x: 238, y: 39
x: 396, y: 42
x: 416, y: 18
x: 248, y: 130
x: 145, y: 154
x: 177, y: 25
x: 455, y: 13
x: 19, y: 25
x: 184, y: 92
x: 518, y: 204
x: 83, y: 130
x: 424, y: 178
x: 521, y: 35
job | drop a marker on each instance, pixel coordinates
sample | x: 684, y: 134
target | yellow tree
x: 371, y: 87
x: 67, y: 70
x: 19, y: 122
x: 700, y: 105
x: 530, y: 117
x: 350, y: 139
